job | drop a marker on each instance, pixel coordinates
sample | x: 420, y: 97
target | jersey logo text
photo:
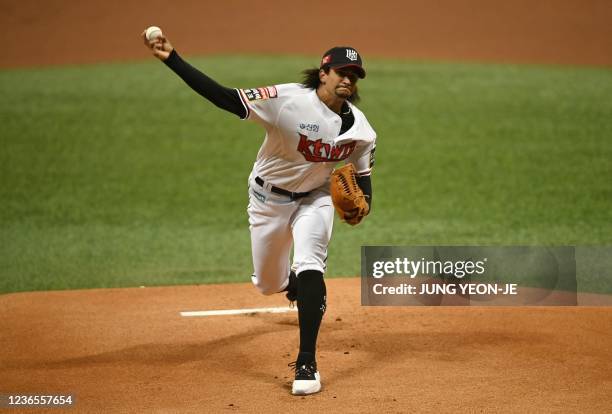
x: 319, y: 151
x: 256, y: 94
x: 308, y: 127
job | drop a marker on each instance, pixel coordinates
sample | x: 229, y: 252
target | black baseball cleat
x: 307, y: 379
x: 291, y: 288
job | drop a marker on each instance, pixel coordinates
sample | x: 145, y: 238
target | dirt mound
x: 129, y: 350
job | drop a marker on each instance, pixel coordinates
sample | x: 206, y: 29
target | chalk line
x: 224, y: 312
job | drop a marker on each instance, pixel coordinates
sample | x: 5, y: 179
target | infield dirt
x: 129, y: 350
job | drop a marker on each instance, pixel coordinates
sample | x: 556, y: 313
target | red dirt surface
x: 128, y: 350
x: 523, y: 31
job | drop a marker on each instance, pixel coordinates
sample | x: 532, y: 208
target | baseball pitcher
x: 293, y: 188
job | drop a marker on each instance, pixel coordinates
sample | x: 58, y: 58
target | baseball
x: 153, y: 33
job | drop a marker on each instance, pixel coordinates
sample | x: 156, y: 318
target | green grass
x: 120, y: 175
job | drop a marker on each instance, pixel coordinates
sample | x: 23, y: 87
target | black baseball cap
x: 343, y: 57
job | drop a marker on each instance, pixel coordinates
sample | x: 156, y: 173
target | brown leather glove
x: 349, y: 201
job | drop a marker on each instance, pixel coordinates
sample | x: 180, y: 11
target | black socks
x: 311, y: 302
x: 292, y: 287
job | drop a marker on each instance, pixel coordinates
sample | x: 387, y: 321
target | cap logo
x: 351, y: 54
x: 326, y: 60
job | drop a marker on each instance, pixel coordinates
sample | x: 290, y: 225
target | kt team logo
x: 319, y: 151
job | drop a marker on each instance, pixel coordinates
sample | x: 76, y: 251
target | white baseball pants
x: 276, y: 223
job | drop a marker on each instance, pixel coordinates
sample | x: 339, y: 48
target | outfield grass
x: 120, y: 175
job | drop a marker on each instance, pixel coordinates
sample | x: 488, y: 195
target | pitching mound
x: 130, y: 350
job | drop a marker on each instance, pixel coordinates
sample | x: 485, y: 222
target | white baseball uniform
x: 301, y: 148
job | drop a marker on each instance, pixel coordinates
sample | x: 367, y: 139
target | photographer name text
x: 447, y: 289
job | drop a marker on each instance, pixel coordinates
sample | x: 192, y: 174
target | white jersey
x: 302, y: 143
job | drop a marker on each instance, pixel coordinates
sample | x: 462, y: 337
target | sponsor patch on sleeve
x: 256, y: 94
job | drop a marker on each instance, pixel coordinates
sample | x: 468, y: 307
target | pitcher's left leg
x: 311, y: 233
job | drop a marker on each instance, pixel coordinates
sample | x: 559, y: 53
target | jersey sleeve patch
x: 256, y: 94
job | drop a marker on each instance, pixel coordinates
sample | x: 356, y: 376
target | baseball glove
x: 349, y: 200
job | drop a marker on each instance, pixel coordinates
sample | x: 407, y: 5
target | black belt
x: 280, y: 191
